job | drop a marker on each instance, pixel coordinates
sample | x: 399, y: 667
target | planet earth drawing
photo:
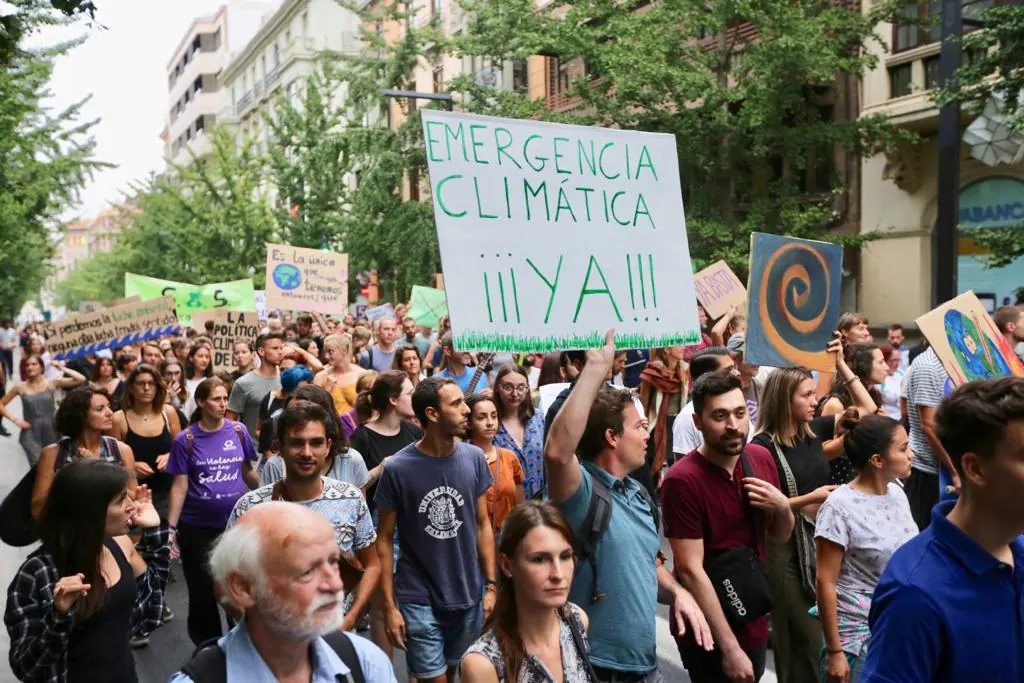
x: 287, y: 276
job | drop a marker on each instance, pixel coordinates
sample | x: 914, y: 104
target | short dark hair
x: 1006, y: 315
x: 710, y: 385
x: 706, y: 360
x: 262, y: 339
x: 895, y: 326
x: 305, y: 318
x: 577, y: 358
x: 605, y: 414
x: 870, y: 435
x: 973, y: 418
x: 124, y: 359
x: 427, y: 394
x: 297, y: 415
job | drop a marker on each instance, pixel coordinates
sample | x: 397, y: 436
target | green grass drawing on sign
x: 514, y: 343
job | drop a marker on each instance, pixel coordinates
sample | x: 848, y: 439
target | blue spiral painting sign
x: 793, y: 291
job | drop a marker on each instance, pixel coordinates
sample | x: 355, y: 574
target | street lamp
x: 449, y: 103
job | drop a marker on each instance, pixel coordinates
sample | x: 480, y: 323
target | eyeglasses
x: 514, y: 388
x: 145, y: 383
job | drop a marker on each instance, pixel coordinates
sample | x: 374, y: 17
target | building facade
x: 87, y: 237
x: 279, y: 58
x: 900, y: 188
x: 194, y: 92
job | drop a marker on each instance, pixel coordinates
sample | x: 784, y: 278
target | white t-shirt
x: 891, y: 390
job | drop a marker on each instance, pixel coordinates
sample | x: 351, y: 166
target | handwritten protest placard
x: 794, y: 301
x: 967, y: 341
x: 310, y: 280
x: 81, y: 335
x: 228, y: 327
x: 380, y: 312
x: 718, y: 288
x: 551, y: 234
x: 237, y: 294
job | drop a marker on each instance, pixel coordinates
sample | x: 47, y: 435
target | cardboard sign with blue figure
x: 300, y: 279
x: 967, y: 341
x: 793, y: 295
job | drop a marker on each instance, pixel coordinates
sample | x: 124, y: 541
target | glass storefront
x: 989, y: 203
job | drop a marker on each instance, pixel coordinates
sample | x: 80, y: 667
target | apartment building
x: 87, y: 237
x: 194, y: 71
x: 900, y: 188
x: 280, y: 57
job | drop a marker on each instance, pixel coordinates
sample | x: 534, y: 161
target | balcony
x: 272, y: 77
x: 243, y: 104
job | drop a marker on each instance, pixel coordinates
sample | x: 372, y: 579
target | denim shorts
x: 437, y: 638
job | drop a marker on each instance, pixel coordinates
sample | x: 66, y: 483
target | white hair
x: 239, y: 551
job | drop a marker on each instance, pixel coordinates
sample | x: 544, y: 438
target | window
x: 287, y: 37
x: 921, y: 28
x: 435, y: 8
x: 263, y: 65
x: 931, y: 72
x: 900, y: 80
x: 277, y: 55
x: 438, y: 77
x: 520, y: 74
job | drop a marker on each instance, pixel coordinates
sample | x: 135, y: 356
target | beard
x: 284, y: 620
x: 730, y: 443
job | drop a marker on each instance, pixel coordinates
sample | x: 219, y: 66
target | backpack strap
x: 209, y: 663
x: 599, y: 515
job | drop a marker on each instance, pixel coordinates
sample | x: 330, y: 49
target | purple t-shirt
x: 214, y: 468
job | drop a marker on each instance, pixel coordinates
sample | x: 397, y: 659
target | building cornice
x: 273, y: 26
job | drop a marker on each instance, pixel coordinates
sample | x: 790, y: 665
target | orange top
x: 501, y: 497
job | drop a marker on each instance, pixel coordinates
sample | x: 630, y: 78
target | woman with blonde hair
x: 534, y: 633
x: 340, y: 376
x: 803, y: 446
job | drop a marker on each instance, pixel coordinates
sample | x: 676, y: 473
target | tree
x: 45, y: 159
x: 751, y: 90
x: 309, y: 161
x: 384, y: 231
x: 994, y: 69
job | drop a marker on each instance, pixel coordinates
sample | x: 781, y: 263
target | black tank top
x: 98, y: 648
x: 146, y: 448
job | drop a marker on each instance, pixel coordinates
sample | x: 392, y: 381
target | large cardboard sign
x: 552, y: 234
x: 312, y: 280
x: 130, y: 323
x: 427, y: 305
x: 968, y: 342
x: 228, y: 327
x: 718, y: 288
x: 793, y: 292
x: 189, y: 299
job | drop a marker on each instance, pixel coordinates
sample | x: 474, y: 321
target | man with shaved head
x: 279, y: 566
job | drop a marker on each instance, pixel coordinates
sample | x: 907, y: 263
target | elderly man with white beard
x: 279, y: 566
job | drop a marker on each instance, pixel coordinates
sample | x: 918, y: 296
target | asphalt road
x: 170, y: 647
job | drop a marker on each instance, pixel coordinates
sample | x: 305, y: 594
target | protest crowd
x: 498, y: 516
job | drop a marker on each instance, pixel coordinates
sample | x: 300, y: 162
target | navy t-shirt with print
x: 435, y: 502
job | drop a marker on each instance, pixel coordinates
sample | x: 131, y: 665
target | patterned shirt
x: 339, y: 503
x: 531, y: 455
x: 869, y: 528
x: 926, y: 382
x: 574, y: 667
x: 40, y: 634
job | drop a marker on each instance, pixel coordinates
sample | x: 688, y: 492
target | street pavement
x: 170, y: 647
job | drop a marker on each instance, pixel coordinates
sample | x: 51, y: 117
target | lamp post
x: 449, y: 103
x: 944, y: 241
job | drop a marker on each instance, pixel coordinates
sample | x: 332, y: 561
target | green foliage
x: 45, y: 158
x: 757, y: 114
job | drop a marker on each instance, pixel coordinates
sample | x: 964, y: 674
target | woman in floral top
x: 522, y: 427
x: 533, y: 635
x: 859, y: 527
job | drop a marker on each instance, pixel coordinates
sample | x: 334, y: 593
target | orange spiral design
x: 794, y: 278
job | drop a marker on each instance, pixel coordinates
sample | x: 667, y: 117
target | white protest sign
x: 260, y: 295
x: 552, y: 234
x: 300, y: 279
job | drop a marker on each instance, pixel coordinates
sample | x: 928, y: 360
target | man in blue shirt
x: 458, y: 367
x: 610, y: 433
x: 950, y: 604
x: 279, y: 565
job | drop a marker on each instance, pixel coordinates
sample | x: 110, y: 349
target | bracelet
x: 834, y: 652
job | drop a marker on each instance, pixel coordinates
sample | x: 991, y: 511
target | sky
x: 123, y: 65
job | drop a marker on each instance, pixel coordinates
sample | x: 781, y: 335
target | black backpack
x: 599, y: 516
x: 209, y: 664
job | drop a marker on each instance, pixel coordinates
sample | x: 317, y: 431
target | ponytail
x: 868, y: 436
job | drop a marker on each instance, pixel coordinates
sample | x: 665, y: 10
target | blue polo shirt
x: 945, y: 610
x: 622, y: 626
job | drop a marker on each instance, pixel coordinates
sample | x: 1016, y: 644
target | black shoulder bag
x: 737, y: 574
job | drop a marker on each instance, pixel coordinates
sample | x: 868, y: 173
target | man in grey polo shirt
x: 603, y: 424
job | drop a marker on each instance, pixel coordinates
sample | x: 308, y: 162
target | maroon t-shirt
x: 700, y: 500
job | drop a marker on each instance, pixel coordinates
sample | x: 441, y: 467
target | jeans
x: 438, y: 638
x: 706, y: 667
x: 195, y: 542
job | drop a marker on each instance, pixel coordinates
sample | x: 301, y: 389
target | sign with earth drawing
x: 312, y: 280
x: 551, y: 234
